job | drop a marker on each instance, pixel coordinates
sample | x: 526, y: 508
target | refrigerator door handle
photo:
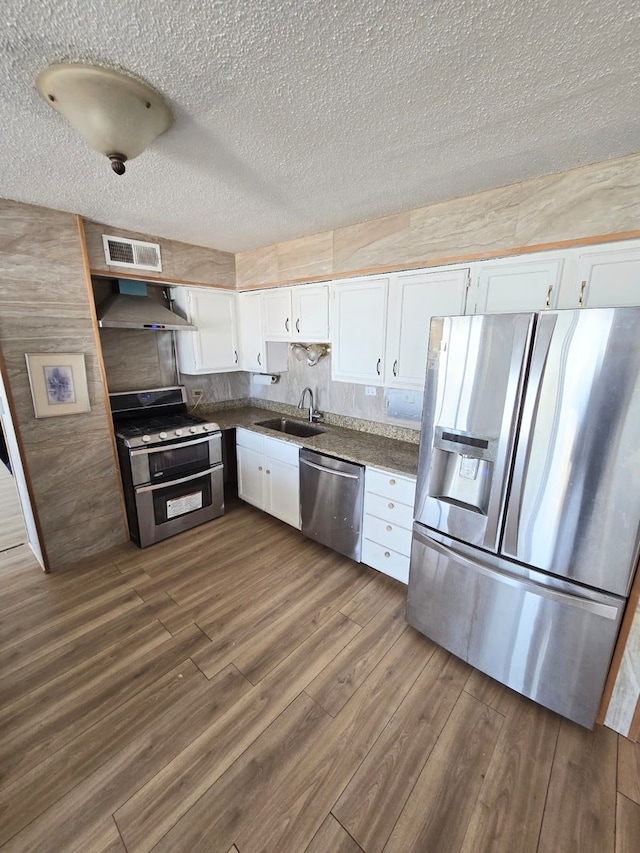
x: 546, y: 325
x: 607, y: 611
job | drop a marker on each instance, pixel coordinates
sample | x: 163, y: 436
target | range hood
x: 131, y: 307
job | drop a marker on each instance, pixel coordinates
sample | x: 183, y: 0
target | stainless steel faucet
x: 313, y: 415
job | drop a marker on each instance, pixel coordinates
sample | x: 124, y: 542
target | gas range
x: 147, y: 418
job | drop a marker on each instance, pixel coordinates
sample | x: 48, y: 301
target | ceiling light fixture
x: 118, y: 115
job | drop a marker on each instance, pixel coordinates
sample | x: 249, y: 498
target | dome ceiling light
x: 116, y: 114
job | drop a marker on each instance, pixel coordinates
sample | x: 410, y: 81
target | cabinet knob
x: 392, y: 482
x: 389, y: 528
x: 267, y: 471
x: 391, y: 506
x: 259, y: 467
x: 387, y: 554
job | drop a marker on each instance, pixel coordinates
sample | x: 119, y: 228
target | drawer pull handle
x: 389, y: 528
x: 392, y: 482
x: 378, y: 366
x: 286, y: 324
x: 391, y: 506
x: 387, y: 554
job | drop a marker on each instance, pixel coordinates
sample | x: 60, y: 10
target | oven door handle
x: 168, y: 483
x: 160, y: 448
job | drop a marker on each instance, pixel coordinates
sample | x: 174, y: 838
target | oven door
x: 176, y: 460
x: 164, y: 509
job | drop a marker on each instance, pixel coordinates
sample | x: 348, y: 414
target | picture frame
x: 58, y: 383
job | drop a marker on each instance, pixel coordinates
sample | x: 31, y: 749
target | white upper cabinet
x: 299, y: 313
x: 276, y: 314
x: 256, y: 354
x: 528, y: 284
x: 310, y: 312
x: 414, y: 298
x: 213, y: 348
x: 358, y: 329
x: 608, y: 276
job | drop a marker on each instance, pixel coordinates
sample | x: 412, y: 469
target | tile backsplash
x: 339, y: 398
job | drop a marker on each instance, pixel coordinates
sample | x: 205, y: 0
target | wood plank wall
x: 586, y: 205
x: 44, y: 307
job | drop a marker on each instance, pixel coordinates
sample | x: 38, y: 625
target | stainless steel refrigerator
x: 527, y: 519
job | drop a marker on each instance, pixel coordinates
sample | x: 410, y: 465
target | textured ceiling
x: 299, y: 116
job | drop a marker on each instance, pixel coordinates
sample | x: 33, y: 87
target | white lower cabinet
x: 388, y: 517
x: 268, y: 474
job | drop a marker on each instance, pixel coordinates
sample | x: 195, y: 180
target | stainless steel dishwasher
x: 331, y: 500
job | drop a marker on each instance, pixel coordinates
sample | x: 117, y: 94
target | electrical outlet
x: 370, y: 390
x: 197, y: 393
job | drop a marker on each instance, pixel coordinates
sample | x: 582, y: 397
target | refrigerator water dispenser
x: 462, y: 469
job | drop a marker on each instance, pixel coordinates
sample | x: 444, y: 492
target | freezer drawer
x: 547, y: 643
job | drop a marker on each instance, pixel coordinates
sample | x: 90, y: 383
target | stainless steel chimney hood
x: 132, y: 308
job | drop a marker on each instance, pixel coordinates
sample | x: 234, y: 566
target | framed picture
x: 58, y: 383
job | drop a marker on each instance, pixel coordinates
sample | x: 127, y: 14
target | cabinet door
x: 250, y: 476
x: 251, y: 343
x: 414, y: 299
x: 311, y: 313
x: 276, y: 314
x: 216, y: 346
x: 358, y: 327
x: 282, y: 485
x: 526, y: 285
x: 609, y: 277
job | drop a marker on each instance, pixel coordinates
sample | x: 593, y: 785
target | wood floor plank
x: 370, y: 600
x: 281, y: 636
x: 509, y: 808
x: 629, y: 769
x: 581, y: 804
x: 374, y: 798
x: 31, y: 794
x: 627, y: 825
x: 12, y: 531
x: 77, y: 816
x: 332, y: 836
x: 491, y: 692
x: 265, y: 630
x: 105, y: 839
x: 77, y: 700
x: 296, y: 810
x: 127, y: 619
x: 335, y: 685
x: 437, y: 812
x: 148, y: 816
x: 210, y: 825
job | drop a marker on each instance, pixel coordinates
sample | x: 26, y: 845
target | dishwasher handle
x: 329, y: 470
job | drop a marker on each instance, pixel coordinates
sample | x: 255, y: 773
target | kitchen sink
x: 299, y: 428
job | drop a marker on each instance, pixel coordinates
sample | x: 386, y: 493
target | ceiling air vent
x: 121, y: 252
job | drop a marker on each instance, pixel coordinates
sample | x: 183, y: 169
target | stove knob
x: 178, y: 432
x: 206, y: 428
x: 192, y: 429
x: 162, y: 435
x: 146, y: 438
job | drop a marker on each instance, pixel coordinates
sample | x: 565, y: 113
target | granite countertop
x: 388, y: 454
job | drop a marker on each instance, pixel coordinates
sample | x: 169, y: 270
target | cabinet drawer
x: 385, y: 560
x: 393, y: 512
x: 387, y: 534
x: 283, y: 451
x: 401, y: 489
x: 252, y: 440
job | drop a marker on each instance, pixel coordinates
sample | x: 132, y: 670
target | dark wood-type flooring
x: 240, y: 688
